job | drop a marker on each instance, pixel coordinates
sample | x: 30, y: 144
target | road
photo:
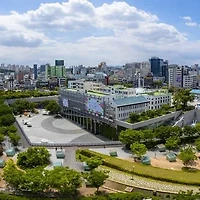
x: 70, y: 159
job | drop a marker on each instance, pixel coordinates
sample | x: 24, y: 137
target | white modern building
x: 156, y: 100
x: 121, y: 101
x: 123, y: 107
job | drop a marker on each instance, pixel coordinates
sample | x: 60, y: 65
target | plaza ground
x: 52, y: 130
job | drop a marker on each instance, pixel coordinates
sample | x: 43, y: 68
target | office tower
x: 42, y: 68
x: 35, y: 71
x: 59, y: 63
x: 156, y: 66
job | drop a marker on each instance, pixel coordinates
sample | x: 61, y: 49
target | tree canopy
x: 96, y: 178
x: 53, y: 107
x: 14, y: 138
x: 37, y: 180
x: 94, y: 162
x: 187, y: 155
x: 33, y: 157
x: 138, y: 149
x: 181, y: 99
x: 172, y: 143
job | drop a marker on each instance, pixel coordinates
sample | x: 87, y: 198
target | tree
x: 4, y: 110
x: 14, y: 138
x: 33, y: 157
x: 43, y: 104
x: 187, y: 155
x: 65, y: 180
x: 12, y: 129
x: 7, y: 120
x: 130, y: 136
x: 12, y: 175
x: 157, y: 84
x: 197, y: 143
x: 197, y: 128
x: 1, y: 137
x: 138, y: 149
x: 189, y: 131
x: 134, y: 117
x: 94, y: 162
x: 96, y: 178
x: 181, y: 99
x: 53, y: 107
x: 172, y: 143
x: 162, y: 132
x: 189, y: 195
x: 1, y: 151
x: 35, y: 180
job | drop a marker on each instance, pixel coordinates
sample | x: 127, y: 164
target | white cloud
x: 69, y: 30
x: 187, y: 18
x: 191, y: 24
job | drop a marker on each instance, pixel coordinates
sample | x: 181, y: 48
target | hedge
x: 116, y: 196
x: 180, y: 177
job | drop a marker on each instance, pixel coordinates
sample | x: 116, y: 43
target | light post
x: 132, y: 172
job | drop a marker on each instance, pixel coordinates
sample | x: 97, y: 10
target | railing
x: 73, y: 144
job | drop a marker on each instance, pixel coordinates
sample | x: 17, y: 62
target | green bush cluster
x: 179, y: 177
x: 115, y: 196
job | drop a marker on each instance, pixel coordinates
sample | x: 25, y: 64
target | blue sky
x: 45, y: 30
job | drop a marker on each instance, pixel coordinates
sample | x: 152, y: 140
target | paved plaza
x: 48, y: 129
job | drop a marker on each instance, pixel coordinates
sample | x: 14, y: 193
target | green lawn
x: 182, y: 177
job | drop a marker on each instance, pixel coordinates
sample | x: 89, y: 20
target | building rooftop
x: 130, y: 100
x: 100, y: 94
x: 71, y: 89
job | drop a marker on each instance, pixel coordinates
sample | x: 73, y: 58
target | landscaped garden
x: 148, y: 171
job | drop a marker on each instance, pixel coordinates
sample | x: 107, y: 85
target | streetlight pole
x: 133, y: 173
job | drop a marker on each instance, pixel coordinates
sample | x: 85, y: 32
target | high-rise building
x: 35, y: 71
x: 55, y: 71
x: 59, y: 63
x: 159, y: 67
x: 42, y: 68
x: 175, y: 76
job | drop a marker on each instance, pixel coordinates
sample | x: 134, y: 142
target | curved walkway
x: 145, y: 183
x: 51, y: 124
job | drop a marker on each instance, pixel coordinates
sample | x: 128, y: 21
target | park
x: 171, y: 158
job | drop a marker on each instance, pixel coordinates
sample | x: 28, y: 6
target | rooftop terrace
x: 97, y: 93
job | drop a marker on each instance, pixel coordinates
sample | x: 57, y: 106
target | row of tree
x: 6, y: 125
x: 26, y: 94
x: 19, y: 106
x: 168, y: 134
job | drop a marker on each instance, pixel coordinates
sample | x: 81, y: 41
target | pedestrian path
x: 145, y: 183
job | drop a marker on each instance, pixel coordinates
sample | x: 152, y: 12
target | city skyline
x: 89, y: 32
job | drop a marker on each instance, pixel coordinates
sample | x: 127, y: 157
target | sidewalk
x: 147, y: 183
